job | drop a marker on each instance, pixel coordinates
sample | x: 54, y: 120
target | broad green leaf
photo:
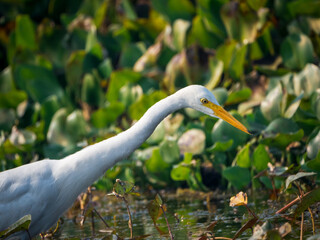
x: 271, y: 105
x: 22, y: 137
x: 281, y: 125
x: 117, y: 80
x: 313, y: 147
x: 220, y: 146
x: 282, y: 140
x: 306, y: 201
x: 25, y: 33
x: 91, y: 92
x: 307, y: 81
x: 221, y: 94
x: 236, y: 68
x: 292, y: 178
x: 180, y: 172
x: 293, y: 107
x: 7, y: 119
x: 21, y: 225
x: 239, y: 96
x: 237, y: 176
x: 12, y: 99
x: 105, y: 68
x: 158, y: 135
x: 172, y: 9
x: 154, y: 210
x: 260, y: 158
x: 225, y: 53
x: 158, y: 199
x: 137, y: 109
x: 169, y: 151
x: 180, y: 30
x: 296, y: 51
x: 104, y: 116
x: 304, y: 7
x: 130, y: 93
x: 216, y: 70
x: 6, y: 80
x: 156, y: 164
x: 243, y: 157
x: 76, y: 125
x: 314, y: 164
x: 130, y: 53
x: 38, y: 82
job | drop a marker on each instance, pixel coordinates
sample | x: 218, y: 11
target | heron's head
x: 201, y: 99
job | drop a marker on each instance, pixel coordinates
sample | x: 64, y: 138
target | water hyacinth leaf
x: 104, y: 116
x: 91, y: 91
x: 158, y: 135
x: 223, y: 132
x: 307, y: 81
x: 225, y: 53
x: 38, y: 82
x: 130, y: 53
x: 315, y: 103
x: 172, y: 10
x: 294, y: 177
x: 105, y: 68
x: 129, y: 94
x: 25, y: 33
x: 221, y: 94
x: 313, y: 146
x: 21, y: 225
x: 239, y: 177
x: 7, y: 119
x: 260, y: 157
x: 293, y: 107
x: 201, y: 35
x: 117, y: 80
x: 282, y: 125
x: 243, y: 157
x: 169, y: 151
x: 304, y: 7
x: 76, y: 125
x: 306, y: 201
x: 216, y: 70
x: 180, y: 172
x: 314, y: 164
x: 12, y: 99
x: 271, y: 105
x: 220, y: 146
x: 236, y: 67
x: 22, y: 137
x: 138, y: 108
x: 156, y: 164
x: 296, y: 51
x: 180, y: 30
x: 282, y: 140
x: 239, y: 96
x: 192, y: 141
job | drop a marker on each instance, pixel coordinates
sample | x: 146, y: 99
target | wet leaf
x: 21, y: 225
x: 239, y: 200
x: 292, y: 178
x: 306, y: 201
x: 248, y: 225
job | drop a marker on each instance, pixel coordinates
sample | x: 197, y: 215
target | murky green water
x: 189, y: 216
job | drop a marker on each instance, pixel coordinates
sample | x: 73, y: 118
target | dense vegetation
x: 76, y: 72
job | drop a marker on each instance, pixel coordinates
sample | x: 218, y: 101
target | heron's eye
x: 204, y: 100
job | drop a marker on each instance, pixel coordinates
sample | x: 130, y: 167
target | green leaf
x: 306, y: 201
x: 243, y: 157
x: 169, y: 151
x: 216, y: 70
x: 104, y: 116
x: 293, y: 107
x: 282, y: 140
x: 154, y: 210
x: 192, y: 141
x: 25, y: 33
x: 38, y: 82
x: 158, y: 199
x: 271, y: 105
x: 180, y: 172
x: 296, y: 51
x: 260, y: 157
x: 313, y: 147
x: 237, y: 176
x: 220, y: 146
x: 76, y: 125
x: 156, y: 164
x: 221, y: 94
x: 236, y: 68
x: 292, y: 178
x: 117, y: 80
x: 91, y: 91
x: 239, y: 96
x: 314, y: 164
x: 12, y: 99
x: 21, y: 225
x: 180, y: 29
x: 307, y: 81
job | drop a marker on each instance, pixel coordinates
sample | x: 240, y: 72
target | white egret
x: 46, y: 189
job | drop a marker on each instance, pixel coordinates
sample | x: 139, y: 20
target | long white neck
x: 93, y: 161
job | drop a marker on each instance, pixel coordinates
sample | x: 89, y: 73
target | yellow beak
x: 224, y: 115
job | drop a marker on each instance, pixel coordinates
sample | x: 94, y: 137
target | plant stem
x: 165, y: 217
x: 301, y: 226
x: 252, y: 213
x: 130, y: 218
